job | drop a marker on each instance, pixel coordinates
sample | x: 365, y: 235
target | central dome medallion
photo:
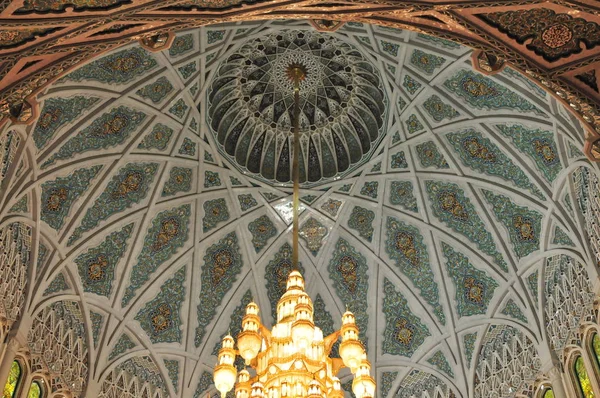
x: 342, y: 106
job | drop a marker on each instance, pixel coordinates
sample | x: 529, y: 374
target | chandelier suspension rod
x: 297, y: 75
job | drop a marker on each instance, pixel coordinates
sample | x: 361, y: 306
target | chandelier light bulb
x: 249, y: 340
x: 351, y: 349
x: 225, y: 373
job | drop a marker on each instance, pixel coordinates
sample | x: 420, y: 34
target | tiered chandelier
x: 293, y: 359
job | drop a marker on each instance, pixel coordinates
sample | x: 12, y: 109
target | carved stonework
x: 552, y: 36
x: 157, y: 42
x: 589, y: 79
x: 487, y: 63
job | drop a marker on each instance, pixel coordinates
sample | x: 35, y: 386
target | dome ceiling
x: 342, y: 106
x: 435, y: 231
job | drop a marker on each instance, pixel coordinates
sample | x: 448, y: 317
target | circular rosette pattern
x: 342, y: 107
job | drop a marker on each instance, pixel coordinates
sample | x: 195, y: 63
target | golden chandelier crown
x: 292, y: 360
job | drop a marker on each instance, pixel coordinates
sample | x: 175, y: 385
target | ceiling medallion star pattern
x: 342, y: 110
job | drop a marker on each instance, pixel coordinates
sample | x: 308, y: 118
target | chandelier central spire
x: 293, y: 359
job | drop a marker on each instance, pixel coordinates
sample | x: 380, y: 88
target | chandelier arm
x: 266, y: 333
x: 336, y: 365
x: 330, y: 341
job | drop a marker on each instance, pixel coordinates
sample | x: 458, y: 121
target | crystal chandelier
x: 292, y: 360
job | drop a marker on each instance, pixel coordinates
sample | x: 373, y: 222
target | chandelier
x: 292, y: 360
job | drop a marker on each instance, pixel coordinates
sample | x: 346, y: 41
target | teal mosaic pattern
x: 145, y: 369
x: 345, y: 188
x: 235, y: 322
x: 474, y: 288
x: 439, y: 361
x: 425, y: 62
x: 390, y: 48
x: 439, y: 110
x: 512, y: 310
x: 180, y: 180
x: 215, y: 212
x: 172, y: 366
x: 204, y: 383
x: 234, y: 181
x: 524, y: 226
x: 386, y: 382
x: 123, y: 345
x: 188, y: 147
x: 22, y: 205
x: 324, y: 320
x: 262, y: 229
x: 214, y: 36
x: 405, y: 246
x: 211, y: 179
x: 181, y: 45
x: 58, y: 284
x: 56, y: 113
x: 158, y: 138
x: 156, y: 91
x: 348, y: 271
x: 451, y: 206
x: 332, y: 207
x: 575, y: 152
x: 413, y: 125
x: 404, y: 332
x: 118, y: 68
x: 430, y: 156
x: 108, y: 130
x: 399, y: 161
x: 97, y: 322
x: 269, y: 196
x: 313, y: 232
x: 483, y: 93
x: 347, y: 387
x: 481, y: 154
x: 370, y: 189
x: 168, y: 232
x: 129, y: 186
x: 322, y: 317
x: 59, y: 195
x: 222, y: 265
x: 361, y: 220
x: 160, y: 317
x: 194, y: 89
x: 309, y: 199
x: 97, y: 265
x: 179, y: 108
x: 410, y: 84
x: 539, y: 145
x: 188, y: 70
x: 439, y: 41
x: 561, y: 238
x: 469, y: 340
x: 247, y: 201
x: 276, y: 274
x: 532, y: 283
x: 401, y: 194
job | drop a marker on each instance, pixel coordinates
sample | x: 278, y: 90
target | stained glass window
x: 584, y: 380
x: 548, y: 393
x: 596, y: 347
x: 13, y: 380
x: 35, y: 391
